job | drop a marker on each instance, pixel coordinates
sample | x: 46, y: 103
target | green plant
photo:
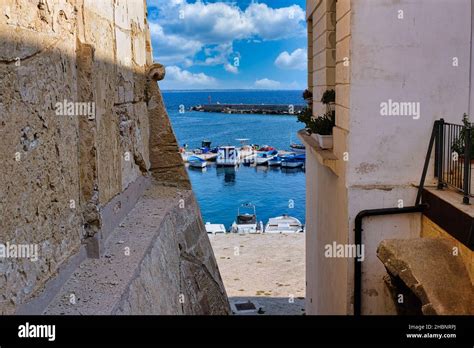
x: 329, y: 96
x: 324, y: 124
x: 458, y: 143
x: 308, y: 96
x: 306, y: 115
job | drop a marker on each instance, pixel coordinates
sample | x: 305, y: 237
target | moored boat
x: 227, y: 156
x: 275, y: 161
x: 215, y: 228
x: 265, y: 154
x: 196, y: 162
x: 298, y: 148
x: 293, y: 161
x: 284, y: 224
x: 246, y: 222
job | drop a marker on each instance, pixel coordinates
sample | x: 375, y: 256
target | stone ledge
x: 113, y: 213
x: 448, y: 212
x: 324, y: 157
x: 433, y: 274
x: 159, y: 252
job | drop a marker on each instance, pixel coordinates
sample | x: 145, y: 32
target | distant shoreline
x: 228, y: 90
x: 259, y: 109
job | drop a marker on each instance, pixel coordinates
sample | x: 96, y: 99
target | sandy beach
x: 266, y: 269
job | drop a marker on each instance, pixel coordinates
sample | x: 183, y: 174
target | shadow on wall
x: 81, y: 127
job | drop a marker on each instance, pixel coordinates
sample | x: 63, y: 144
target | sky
x: 245, y: 44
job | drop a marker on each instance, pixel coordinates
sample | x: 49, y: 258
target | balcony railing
x: 453, y: 155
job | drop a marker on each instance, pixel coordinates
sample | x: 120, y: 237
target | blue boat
x: 196, y: 162
x: 275, y: 161
x: 264, y: 156
x: 293, y: 161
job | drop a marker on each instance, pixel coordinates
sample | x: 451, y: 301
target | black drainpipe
x: 358, y: 241
x: 417, y: 208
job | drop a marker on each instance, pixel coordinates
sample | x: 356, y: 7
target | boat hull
x: 284, y: 224
x: 198, y: 164
x: 285, y: 164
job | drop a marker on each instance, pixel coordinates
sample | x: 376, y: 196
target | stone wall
x: 79, y: 116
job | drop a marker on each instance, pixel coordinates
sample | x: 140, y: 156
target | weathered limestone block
x: 432, y: 271
x: 166, y: 162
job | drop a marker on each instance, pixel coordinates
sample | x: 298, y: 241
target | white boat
x: 275, y: 161
x: 266, y: 154
x: 298, y: 148
x: 215, y: 228
x: 247, y: 154
x: 287, y: 164
x: 196, y: 162
x: 228, y: 156
x: 246, y: 222
x: 284, y: 224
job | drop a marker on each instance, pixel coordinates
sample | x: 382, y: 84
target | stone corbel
x: 156, y: 72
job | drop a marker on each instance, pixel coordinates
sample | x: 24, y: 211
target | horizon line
x: 230, y: 89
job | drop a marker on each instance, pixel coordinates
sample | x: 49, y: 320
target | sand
x: 267, y: 269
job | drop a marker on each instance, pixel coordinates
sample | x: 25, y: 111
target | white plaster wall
x: 404, y: 60
x: 407, y: 60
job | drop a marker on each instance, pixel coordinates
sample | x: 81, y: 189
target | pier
x: 264, y: 109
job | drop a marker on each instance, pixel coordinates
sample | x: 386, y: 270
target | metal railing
x: 453, y: 143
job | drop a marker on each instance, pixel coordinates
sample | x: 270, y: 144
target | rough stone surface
x: 158, y: 261
x: 425, y: 266
x: 60, y: 171
x: 166, y: 162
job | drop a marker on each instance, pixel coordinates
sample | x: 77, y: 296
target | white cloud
x: 267, y: 84
x: 231, y: 68
x: 292, y: 61
x: 273, y: 24
x: 176, y: 39
x: 172, y: 49
x: 177, y: 78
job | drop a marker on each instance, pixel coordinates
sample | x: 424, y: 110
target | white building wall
x: 405, y: 60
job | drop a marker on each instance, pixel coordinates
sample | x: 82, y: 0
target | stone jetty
x: 265, y: 109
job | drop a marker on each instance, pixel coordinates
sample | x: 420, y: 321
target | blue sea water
x: 220, y: 191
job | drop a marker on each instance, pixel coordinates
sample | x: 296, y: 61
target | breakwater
x: 265, y: 109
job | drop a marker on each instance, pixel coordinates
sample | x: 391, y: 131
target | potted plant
x: 458, y: 144
x: 306, y: 117
x: 329, y: 99
x: 321, y: 129
x: 308, y: 96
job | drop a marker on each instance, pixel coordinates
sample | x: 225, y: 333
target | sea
x: 220, y: 191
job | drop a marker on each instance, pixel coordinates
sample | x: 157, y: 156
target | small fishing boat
x: 246, y: 222
x: 284, y: 224
x: 196, y: 162
x: 264, y: 154
x: 215, y: 228
x: 275, y: 161
x: 247, y: 154
x: 293, y: 161
x: 297, y: 148
x: 228, y: 156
